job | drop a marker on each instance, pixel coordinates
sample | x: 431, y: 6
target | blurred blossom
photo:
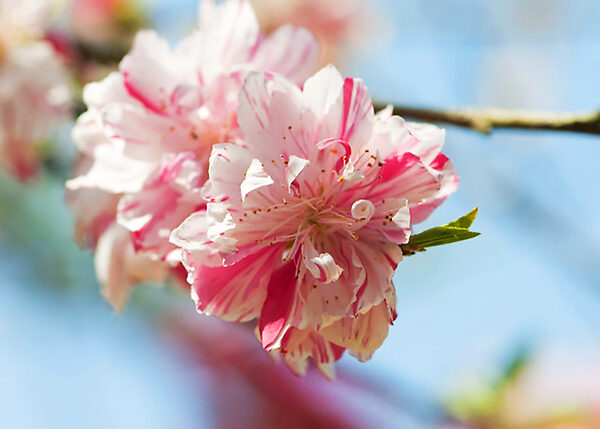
x: 337, y: 24
x: 101, y: 32
x: 303, y: 226
x: 106, y: 22
x: 24, y: 20
x: 147, y: 135
x: 558, y: 390
x: 250, y: 389
x: 34, y: 85
x: 555, y: 389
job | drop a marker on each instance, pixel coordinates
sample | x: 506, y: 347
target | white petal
x: 325, y: 269
x: 229, y: 30
x: 294, y: 168
x: 227, y: 165
x: 351, y: 175
x: 113, y: 172
x: 402, y: 218
x: 363, y: 210
x: 290, y: 51
x: 322, y: 90
x: 119, y: 267
x: 256, y: 177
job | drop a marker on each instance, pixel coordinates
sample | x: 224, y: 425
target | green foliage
x: 466, y: 221
x: 482, y: 403
x: 452, y: 232
x: 514, y: 367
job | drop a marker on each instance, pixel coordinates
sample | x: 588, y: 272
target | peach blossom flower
x: 303, y: 226
x: 148, y: 133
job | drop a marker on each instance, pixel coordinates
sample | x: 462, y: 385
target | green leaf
x: 520, y: 359
x: 452, y: 232
x: 466, y: 221
x: 441, y: 235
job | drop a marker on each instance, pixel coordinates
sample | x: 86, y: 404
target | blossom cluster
x: 284, y: 196
x: 30, y: 102
x: 147, y: 135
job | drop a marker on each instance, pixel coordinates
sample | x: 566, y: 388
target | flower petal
x: 379, y: 269
x: 113, y: 172
x: 290, y: 51
x: 351, y: 117
x: 270, y: 111
x: 256, y: 177
x: 322, y: 91
x: 227, y: 165
x: 230, y: 31
x: 275, y: 315
x: 94, y: 211
x: 164, y: 202
x: 294, y: 168
x: 300, y: 344
x: 151, y: 72
x: 204, y: 234
x: 235, y: 292
x: 449, y: 184
x: 321, y: 266
x: 363, y: 334
x: 403, y: 175
x: 119, y: 267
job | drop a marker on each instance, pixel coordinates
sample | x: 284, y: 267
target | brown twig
x: 485, y: 120
x: 409, y: 249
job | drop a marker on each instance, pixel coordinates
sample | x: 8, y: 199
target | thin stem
x: 487, y: 119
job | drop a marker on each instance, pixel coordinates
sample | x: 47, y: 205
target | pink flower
x: 150, y: 127
x: 246, y: 388
x: 335, y: 23
x: 32, y: 102
x: 304, y: 224
x: 106, y: 21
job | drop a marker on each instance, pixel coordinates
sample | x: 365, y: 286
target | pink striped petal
x: 230, y: 31
x: 363, y: 334
x: 275, y: 313
x: 235, y: 292
x: 290, y: 51
x: 118, y: 266
x: 269, y: 114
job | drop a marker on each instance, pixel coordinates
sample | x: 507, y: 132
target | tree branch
x: 487, y: 119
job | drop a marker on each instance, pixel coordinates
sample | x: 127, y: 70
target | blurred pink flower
x: 559, y: 389
x: 555, y: 388
x: 245, y: 387
x: 148, y: 133
x: 303, y: 226
x: 335, y: 23
x: 106, y: 21
x: 34, y: 85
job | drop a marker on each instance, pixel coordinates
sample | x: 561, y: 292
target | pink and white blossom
x: 303, y: 226
x: 150, y: 127
x: 34, y: 85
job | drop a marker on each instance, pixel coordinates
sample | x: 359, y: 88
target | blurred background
x: 502, y: 331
